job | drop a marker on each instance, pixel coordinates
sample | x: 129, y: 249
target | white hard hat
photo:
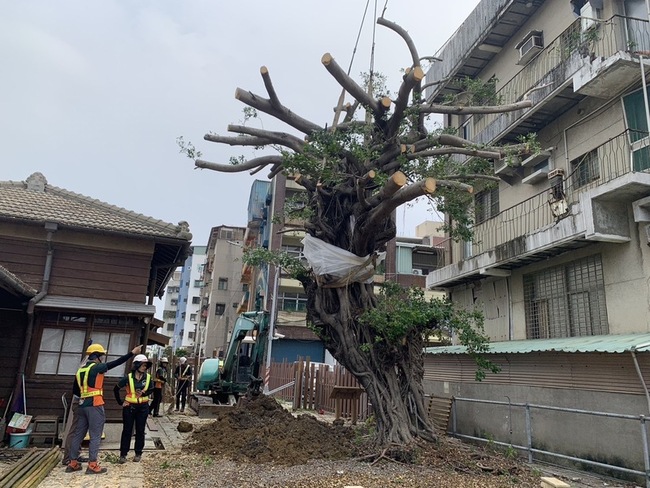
x: 164, y: 360
x: 141, y: 358
x: 182, y: 360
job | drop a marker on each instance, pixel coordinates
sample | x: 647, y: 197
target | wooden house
x: 75, y: 270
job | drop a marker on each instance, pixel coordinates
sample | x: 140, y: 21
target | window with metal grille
x: 486, y: 205
x: 293, y: 251
x: 566, y: 300
x: 222, y: 284
x: 585, y: 169
x: 226, y: 234
x: 292, y: 302
x: 219, y: 308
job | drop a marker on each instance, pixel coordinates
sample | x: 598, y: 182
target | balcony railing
x: 613, y: 159
x: 559, y: 60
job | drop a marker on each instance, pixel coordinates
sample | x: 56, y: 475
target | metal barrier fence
x: 528, y: 407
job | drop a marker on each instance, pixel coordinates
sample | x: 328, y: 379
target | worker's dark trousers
x: 155, y: 404
x: 181, y: 395
x: 135, y: 414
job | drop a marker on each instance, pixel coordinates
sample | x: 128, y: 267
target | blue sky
x: 94, y: 94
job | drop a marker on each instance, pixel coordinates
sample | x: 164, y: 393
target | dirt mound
x: 261, y: 430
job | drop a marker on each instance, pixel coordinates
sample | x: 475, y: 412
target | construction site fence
x: 308, y: 386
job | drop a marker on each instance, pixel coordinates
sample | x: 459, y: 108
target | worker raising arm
x: 90, y: 379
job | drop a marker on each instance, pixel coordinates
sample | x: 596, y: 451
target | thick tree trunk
x: 391, y: 375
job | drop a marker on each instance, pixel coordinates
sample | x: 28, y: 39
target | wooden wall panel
x: 96, y: 274
x: 44, y: 396
x: 12, y: 329
x: 25, y: 259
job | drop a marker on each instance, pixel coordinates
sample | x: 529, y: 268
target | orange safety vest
x: 95, y: 392
x: 158, y: 384
x: 131, y: 396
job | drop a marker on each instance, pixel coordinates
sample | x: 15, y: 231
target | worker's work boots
x: 94, y: 468
x: 73, y: 466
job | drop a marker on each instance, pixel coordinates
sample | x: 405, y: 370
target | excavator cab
x: 242, y: 362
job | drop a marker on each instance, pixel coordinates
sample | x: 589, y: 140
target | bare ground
x: 259, y: 443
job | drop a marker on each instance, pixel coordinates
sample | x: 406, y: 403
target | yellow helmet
x: 95, y: 348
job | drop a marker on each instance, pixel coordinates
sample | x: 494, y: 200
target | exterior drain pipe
x: 638, y: 371
x: 51, y: 229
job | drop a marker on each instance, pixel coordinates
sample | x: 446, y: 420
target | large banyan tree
x: 355, y: 173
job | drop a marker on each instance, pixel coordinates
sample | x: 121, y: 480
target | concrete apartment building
x: 275, y: 291
x: 170, y: 306
x: 409, y: 260
x: 223, y: 290
x: 189, y: 300
x: 561, y: 256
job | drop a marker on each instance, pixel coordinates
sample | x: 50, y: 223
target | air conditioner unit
x: 416, y: 271
x: 588, y: 16
x: 532, y: 44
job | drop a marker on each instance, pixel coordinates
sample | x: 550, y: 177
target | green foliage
x: 401, y: 312
x: 511, y: 452
x: 528, y: 145
x: 475, y: 92
x: 364, y: 431
x: 259, y: 256
x: 578, y: 40
x: 296, y: 207
x: 188, y: 148
x: 249, y: 113
x: 379, y: 84
x: 324, y: 157
x: 112, y: 458
x: 530, y: 141
x: 235, y: 160
x: 180, y: 352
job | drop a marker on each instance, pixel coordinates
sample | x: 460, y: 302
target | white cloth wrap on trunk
x: 327, y: 259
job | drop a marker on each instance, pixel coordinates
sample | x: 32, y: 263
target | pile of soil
x: 259, y: 429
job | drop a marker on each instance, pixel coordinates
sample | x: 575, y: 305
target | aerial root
x: 395, y: 453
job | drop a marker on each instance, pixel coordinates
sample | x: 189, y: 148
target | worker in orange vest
x: 90, y: 379
x: 135, y: 406
x: 159, y: 385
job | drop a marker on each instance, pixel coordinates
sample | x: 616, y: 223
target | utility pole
x: 274, y: 302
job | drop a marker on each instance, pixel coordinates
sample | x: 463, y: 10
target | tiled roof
x: 11, y: 281
x: 36, y: 201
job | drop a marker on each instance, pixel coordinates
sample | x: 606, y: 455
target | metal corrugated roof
x: 618, y: 343
x: 92, y: 304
